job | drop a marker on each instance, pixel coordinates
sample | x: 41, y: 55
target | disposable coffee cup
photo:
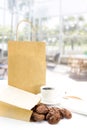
x: 49, y: 95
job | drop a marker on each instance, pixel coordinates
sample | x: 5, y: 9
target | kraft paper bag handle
x: 26, y: 21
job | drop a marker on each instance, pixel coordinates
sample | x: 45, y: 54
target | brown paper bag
x: 26, y: 65
x: 17, y: 104
x: 10, y: 111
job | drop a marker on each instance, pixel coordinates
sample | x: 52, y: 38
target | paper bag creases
x: 26, y: 65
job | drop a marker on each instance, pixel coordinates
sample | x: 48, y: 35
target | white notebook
x: 75, y: 105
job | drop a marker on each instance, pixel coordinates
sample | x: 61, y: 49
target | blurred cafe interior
x: 61, y: 24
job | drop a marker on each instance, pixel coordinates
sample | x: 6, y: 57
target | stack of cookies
x: 52, y: 115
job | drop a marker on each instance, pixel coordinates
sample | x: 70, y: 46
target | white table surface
x: 77, y: 122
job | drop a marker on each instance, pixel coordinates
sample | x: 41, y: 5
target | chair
x: 53, y: 61
x: 3, y: 68
x: 56, y: 58
x: 75, y: 65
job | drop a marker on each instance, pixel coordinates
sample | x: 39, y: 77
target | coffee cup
x: 49, y: 95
